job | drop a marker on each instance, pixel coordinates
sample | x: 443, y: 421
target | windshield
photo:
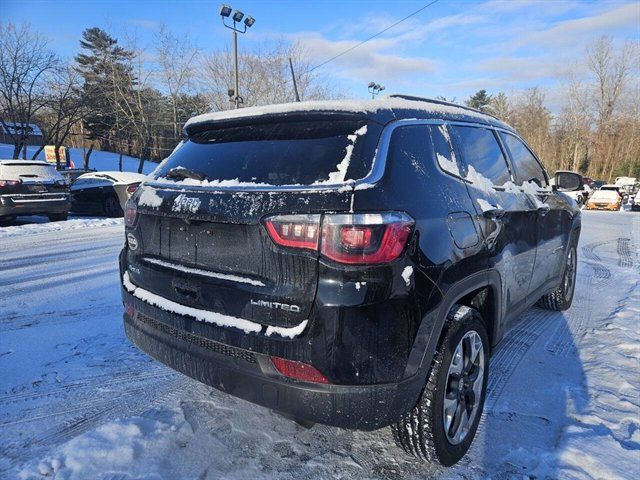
x: 605, y: 195
x: 285, y: 153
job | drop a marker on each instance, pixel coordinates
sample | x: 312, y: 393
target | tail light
x: 130, y: 214
x: 298, y: 370
x: 131, y: 189
x: 296, y: 231
x: 9, y: 183
x: 365, y: 238
x: 351, y: 238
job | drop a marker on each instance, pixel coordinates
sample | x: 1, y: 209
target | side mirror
x: 569, y: 181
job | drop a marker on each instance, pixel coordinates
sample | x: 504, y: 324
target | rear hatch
x: 30, y: 178
x: 200, y: 235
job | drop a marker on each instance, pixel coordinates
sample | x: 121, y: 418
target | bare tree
x: 265, y: 77
x: 25, y: 62
x: 176, y: 57
x: 64, y: 110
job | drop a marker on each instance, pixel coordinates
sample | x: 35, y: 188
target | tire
x: 58, y: 217
x: 422, y: 432
x: 112, y: 207
x: 561, y: 297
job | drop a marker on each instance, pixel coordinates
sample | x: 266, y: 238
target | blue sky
x: 452, y: 48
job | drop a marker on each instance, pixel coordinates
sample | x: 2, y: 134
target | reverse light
x: 298, y: 370
x: 130, y: 214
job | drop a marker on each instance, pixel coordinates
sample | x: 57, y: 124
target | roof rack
x: 440, y: 102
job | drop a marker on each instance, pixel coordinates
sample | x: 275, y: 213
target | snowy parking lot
x: 78, y: 401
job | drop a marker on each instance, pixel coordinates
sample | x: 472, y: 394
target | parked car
x: 29, y: 187
x: 619, y: 189
x: 103, y: 193
x: 634, y: 197
x: 596, y: 184
x: 73, y: 173
x: 351, y: 263
x: 605, y: 199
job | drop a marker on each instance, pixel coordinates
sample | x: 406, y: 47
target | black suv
x: 351, y: 263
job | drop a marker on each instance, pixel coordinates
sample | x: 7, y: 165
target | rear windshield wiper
x: 180, y: 173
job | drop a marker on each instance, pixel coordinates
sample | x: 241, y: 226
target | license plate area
x: 37, y: 188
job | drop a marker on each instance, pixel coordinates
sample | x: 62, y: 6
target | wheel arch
x: 482, y: 291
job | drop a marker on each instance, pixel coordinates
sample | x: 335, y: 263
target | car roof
x: 382, y: 110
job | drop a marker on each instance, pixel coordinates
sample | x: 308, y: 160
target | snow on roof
x: 356, y: 106
x: 120, y: 177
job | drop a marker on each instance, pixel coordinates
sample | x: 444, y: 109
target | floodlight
x: 225, y: 10
x: 237, y: 16
x: 249, y: 21
x: 371, y: 84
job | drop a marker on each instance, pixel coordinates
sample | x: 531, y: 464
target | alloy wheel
x: 570, y: 274
x: 463, y: 392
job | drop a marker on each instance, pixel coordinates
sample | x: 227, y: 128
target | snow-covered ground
x: 99, y: 160
x: 78, y: 401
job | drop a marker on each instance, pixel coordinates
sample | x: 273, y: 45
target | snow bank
x: 71, y: 224
x: 99, y: 160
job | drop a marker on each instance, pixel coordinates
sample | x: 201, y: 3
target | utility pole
x: 295, y: 84
x: 225, y: 12
x: 236, y: 95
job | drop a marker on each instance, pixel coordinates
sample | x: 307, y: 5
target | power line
x: 372, y: 36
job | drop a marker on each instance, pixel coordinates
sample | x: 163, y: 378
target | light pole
x: 375, y: 89
x: 225, y: 12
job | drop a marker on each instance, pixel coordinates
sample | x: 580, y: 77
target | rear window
x: 285, y: 153
x: 25, y: 170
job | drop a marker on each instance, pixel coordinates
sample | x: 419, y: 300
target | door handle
x: 494, y: 212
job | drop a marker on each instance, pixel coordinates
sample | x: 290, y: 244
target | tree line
x: 597, y: 131
x: 121, y: 97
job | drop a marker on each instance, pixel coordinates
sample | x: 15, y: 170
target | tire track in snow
x: 88, y: 411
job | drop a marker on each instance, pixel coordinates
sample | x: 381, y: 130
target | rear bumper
x: 24, y: 204
x: 251, y: 376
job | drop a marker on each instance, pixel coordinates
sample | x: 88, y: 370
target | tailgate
x: 209, y: 250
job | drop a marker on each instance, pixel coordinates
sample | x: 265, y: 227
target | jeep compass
x: 351, y: 263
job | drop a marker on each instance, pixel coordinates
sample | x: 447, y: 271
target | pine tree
x: 106, y: 70
x: 480, y: 100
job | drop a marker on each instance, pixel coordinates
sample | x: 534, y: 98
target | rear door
x: 507, y: 215
x: 204, y: 243
x: 552, y: 219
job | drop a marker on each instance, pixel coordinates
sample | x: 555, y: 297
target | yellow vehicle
x: 604, y: 200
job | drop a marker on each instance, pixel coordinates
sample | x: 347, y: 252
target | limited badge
x: 132, y: 241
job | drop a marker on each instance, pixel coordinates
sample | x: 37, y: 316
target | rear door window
x: 284, y: 153
x: 442, y: 149
x: 525, y: 165
x: 483, y: 156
